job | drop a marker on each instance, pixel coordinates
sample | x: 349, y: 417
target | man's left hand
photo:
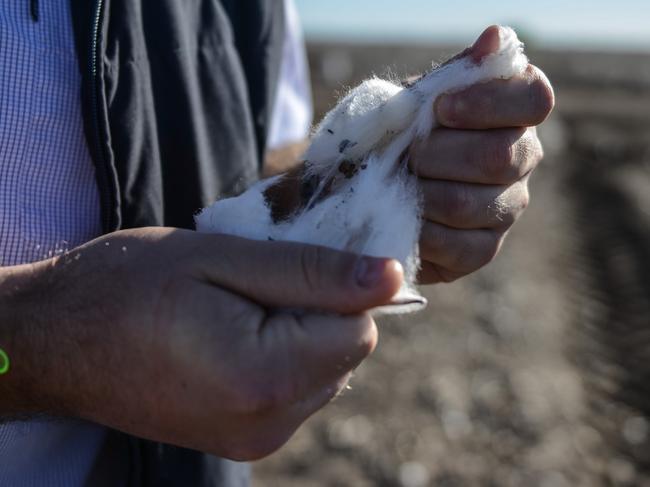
x: 474, y: 171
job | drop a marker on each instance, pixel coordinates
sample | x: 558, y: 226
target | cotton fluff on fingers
x: 358, y: 194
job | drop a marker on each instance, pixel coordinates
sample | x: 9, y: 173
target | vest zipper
x: 104, y: 181
x: 34, y: 10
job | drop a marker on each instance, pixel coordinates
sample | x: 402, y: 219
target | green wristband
x: 4, y: 362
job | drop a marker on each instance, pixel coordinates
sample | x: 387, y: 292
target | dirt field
x: 536, y: 370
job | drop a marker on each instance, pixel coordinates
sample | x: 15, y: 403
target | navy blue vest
x: 177, y: 101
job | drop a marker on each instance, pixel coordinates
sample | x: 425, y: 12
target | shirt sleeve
x: 292, y: 113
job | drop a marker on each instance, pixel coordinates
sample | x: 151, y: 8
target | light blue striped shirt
x: 49, y: 199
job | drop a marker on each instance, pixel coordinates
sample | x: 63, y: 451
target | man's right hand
x: 180, y: 337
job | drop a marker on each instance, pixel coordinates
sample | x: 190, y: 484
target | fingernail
x: 487, y: 43
x: 502, y: 31
x: 445, y: 109
x: 498, y: 28
x: 369, y: 271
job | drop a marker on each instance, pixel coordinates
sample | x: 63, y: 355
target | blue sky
x: 552, y: 23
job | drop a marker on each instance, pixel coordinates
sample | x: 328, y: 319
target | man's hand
x: 474, y: 169
x: 180, y: 337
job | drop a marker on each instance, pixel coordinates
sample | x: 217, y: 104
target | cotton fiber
x: 358, y: 194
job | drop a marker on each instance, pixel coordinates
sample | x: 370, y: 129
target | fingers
x: 474, y: 178
x: 314, y: 350
x: 294, y: 356
x: 298, y: 365
x: 286, y: 274
x: 309, y: 361
x: 499, y: 156
x: 448, y: 253
x: 523, y: 101
x: 473, y: 206
x: 486, y: 44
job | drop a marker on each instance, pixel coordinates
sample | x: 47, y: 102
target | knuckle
x: 509, y: 206
x: 519, y: 198
x: 524, y: 200
x: 540, y: 150
x: 499, y: 160
x: 524, y: 147
x: 535, y: 147
x: 528, y: 150
x: 542, y: 95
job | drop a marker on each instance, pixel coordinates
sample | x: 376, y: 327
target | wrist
x: 26, y: 322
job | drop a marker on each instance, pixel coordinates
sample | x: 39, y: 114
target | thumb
x: 296, y: 275
x: 487, y: 43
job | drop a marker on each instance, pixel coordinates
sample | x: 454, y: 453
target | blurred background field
x: 536, y: 370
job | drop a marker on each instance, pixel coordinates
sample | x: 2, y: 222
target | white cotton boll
x: 351, y: 219
x: 355, y: 219
x: 369, y: 114
x: 366, y: 200
x: 246, y: 216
